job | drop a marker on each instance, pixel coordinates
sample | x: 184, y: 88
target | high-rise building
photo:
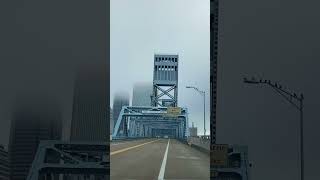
x: 193, y: 131
x: 142, y: 93
x: 31, y: 123
x: 89, y: 114
x: 111, y: 121
x: 214, y: 16
x: 120, y: 99
x: 4, y: 164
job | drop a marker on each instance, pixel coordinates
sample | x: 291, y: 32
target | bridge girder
x: 56, y: 158
x: 136, y: 121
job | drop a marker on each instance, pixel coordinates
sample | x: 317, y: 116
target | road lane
x: 114, y: 146
x: 132, y: 147
x: 185, y: 162
x: 144, y: 161
x: 141, y: 163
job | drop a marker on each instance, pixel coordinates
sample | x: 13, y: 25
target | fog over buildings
x: 32, y: 121
x: 121, y: 99
x: 142, y: 92
x: 89, y: 115
x: 140, y: 29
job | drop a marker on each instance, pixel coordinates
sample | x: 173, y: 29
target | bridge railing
x: 116, y: 139
x: 200, y: 142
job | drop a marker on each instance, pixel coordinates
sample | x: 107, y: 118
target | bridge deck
x: 144, y: 159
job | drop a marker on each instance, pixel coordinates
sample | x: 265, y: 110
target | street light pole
x: 204, y: 113
x: 289, y: 97
x: 301, y: 139
x: 203, y: 93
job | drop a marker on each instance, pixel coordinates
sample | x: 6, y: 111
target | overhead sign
x: 174, y: 111
x: 219, y: 154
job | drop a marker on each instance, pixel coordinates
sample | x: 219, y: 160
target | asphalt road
x: 159, y: 159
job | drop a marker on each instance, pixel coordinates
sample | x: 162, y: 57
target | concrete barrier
x: 200, y: 143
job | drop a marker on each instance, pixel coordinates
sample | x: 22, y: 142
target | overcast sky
x: 277, y: 40
x: 141, y: 28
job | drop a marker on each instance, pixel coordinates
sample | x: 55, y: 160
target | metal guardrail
x: 117, y: 139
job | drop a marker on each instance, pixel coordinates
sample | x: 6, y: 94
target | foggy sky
x: 141, y: 28
x: 277, y: 40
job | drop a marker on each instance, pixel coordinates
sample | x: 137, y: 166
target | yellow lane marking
x: 132, y: 147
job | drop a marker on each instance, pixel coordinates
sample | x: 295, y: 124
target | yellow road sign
x: 173, y: 111
x: 219, y: 154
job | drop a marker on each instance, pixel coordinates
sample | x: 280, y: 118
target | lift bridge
x: 162, y: 117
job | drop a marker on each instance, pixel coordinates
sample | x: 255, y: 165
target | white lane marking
x: 164, y: 162
x: 118, y: 143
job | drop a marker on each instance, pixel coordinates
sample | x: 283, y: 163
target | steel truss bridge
x: 138, y: 121
x: 57, y: 160
x: 155, y: 120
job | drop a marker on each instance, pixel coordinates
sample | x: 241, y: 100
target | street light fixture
x: 203, y: 93
x: 291, y: 98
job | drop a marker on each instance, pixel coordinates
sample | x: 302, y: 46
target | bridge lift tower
x: 157, y: 119
x: 165, y: 81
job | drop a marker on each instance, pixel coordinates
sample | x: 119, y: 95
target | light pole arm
x: 287, y: 95
x: 284, y: 96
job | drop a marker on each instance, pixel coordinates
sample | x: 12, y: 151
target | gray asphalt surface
x: 133, y: 161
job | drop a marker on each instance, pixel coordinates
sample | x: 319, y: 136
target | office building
x: 4, y: 164
x: 120, y: 99
x: 32, y: 121
x: 142, y: 93
x: 193, y: 131
x: 111, y: 121
x: 89, y: 114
